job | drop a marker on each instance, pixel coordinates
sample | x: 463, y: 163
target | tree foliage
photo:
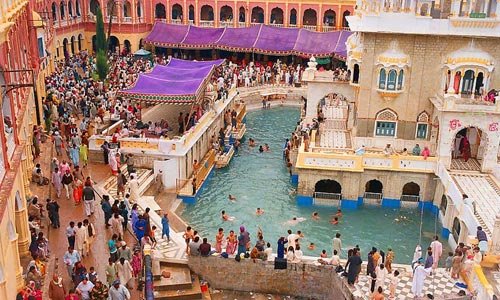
x: 101, y: 42
x: 102, y: 64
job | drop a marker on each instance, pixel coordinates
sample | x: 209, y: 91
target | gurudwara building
x: 421, y: 73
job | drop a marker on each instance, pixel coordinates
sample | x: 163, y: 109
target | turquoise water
x: 262, y: 180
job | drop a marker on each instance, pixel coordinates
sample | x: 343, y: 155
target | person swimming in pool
x: 335, y: 221
x: 311, y: 246
x: 231, y: 198
x: 226, y: 217
x: 261, y: 149
x: 251, y: 142
x: 315, y: 215
x: 266, y: 148
x: 295, y: 220
x: 339, y: 213
x: 259, y: 211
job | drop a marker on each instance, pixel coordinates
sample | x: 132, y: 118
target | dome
x: 470, y: 56
x: 393, y: 57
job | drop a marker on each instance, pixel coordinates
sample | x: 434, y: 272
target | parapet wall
x: 298, y: 280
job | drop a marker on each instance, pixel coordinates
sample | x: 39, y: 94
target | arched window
x: 94, y: 6
x: 77, y: 8
x: 241, y: 17
x: 456, y: 229
x: 72, y: 46
x: 444, y: 204
x: 386, y: 123
x: 391, y: 80
x: 355, y: 74
x: 257, y: 15
x: 177, y: 12
x: 139, y: 9
x: 276, y: 16
x: 54, y: 11
x: 160, y: 12
x: 63, y: 11
x: 411, y: 192
x: 345, y: 24
x: 422, y: 125
x: 70, y: 9
x: 207, y: 13
x: 111, y: 7
x: 382, y: 79
x: 330, y: 18
x: 127, y: 10
x: 467, y: 82
x: 400, y: 80
x: 80, y: 38
x: 293, y: 17
x: 310, y: 17
x: 191, y: 13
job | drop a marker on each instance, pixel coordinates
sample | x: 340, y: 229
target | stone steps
x: 181, y: 285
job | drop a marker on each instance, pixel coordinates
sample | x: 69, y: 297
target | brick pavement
x: 69, y: 212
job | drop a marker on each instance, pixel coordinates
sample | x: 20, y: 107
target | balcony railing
x: 310, y: 27
x: 205, y: 23
x: 292, y: 25
x: 374, y: 196
x: 191, y: 22
x: 410, y: 198
x: 324, y: 195
x: 176, y: 21
x: 276, y: 25
x: 241, y: 24
x: 226, y: 23
x: 140, y: 19
x: 328, y: 28
x: 127, y: 19
x: 114, y: 19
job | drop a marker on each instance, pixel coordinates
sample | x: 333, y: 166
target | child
x: 92, y: 275
x: 323, y: 254
x: 393, y: 284
x: 449, y: 261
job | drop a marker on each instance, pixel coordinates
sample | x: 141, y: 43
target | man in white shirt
x: 84, y: 288
x: 292, y: 238
x: 337, y: 244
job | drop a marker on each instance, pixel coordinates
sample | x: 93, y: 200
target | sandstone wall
x: 299, y: 280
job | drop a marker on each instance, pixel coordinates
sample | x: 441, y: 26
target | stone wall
x: 299, y: 280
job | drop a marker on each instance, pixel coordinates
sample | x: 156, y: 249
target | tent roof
x: 142, y: 52
x: 179, y: 82
x: 259, y: 38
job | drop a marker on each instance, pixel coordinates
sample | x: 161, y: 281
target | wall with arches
x: 354, y: 185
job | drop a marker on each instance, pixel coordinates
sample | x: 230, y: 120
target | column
x: 266, y: 14
x: 486, y: 6
x: 339, y: 18
x: 461, y: 82
x: 299, y: 16
x: 185, y: 12
x: 286, y: 16
x: 473, y: 87
x: 3, y: 285
x: 168, y: 12
x: 319, y: 18
x: 216, y: 14
x: 236, y: 14
x: 495, y: 238
x: 197, y: 14
x: 22, y: 228
x: 470, y: 7
x: 451, y: 90
x: 19, y: 270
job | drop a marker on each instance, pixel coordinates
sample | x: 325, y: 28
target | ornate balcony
x: 205, y: 23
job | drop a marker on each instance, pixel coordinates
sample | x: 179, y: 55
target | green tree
x: 101, y: 42
x: 102, y: 64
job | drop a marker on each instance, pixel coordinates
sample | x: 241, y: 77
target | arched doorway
x: 373, y: 190
x: 328, y: 189
x: 411, y: 192
x: 65, y: 48
x: 469, y: 143
x: 257, y: 15
x: 293, y: 17
x: 276, y: 16
x: 355, y: 74
x: 94, y: 6
x: 54, y: 11
x: 456, y: 229
x: 478, y: 90
x: 160, y: 12
x: 330, y: 18
x: 80, y: 38
x: 226, y: 13
x: 126, y: 46
x: 72, y: 40
x: 177, y: 12
x: 467, y: 82
x: 345, y: 24
x: 207, y: 13
x: 310, y: 18
x: 114, y: 44
x: 140, y: 44
x: 241, y: 17
x: 94, y: 41
x: 444, y: 204
x: 191, y: 13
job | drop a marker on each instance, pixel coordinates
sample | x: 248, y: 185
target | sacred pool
x: 262, y: 180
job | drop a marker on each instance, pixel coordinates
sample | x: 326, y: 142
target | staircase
x: 182, y: 284
x: 145, y: 176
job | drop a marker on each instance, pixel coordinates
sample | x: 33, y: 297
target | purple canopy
x: 259, y: 38
x: 179, y: 82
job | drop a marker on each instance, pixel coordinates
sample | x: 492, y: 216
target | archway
x: 444, y: 204
x: 345, y: 23
x: 226, y: 13
x: 70, y: 9
x: 127, y: 9
x: 65, y: 48
x: 160, y: 12
x: 140, y: 44
x: 257, y: 15
x: 479, y: 84
x: 114, y: 44
x: 94, y: 41
x: 456, y: 229
x: 139, y: 9
x: 94, y: 6
x: 77, y: 8
x: 63, y: 11
x: 355, y: 74
x: 80, y: 38
x: 111, y: 8
x: 276, y: 16
x: 207, y: 13
x: 310, y: 17
x: 241, y: 17
x: 329, y: 189
x: 293, y: 17
x: 126, y: 46
x: 191, y: 13
x: 374, y: 186
x: 467, y: 82
x: 330, y: 18
x: 469, y: 142
x: 54, y: 11
x: 72, y: 45
x: 411, y: 192
x: 177, y: 12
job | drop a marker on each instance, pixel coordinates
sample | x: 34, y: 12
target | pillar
x: 286, y: 16
x: 461, y: 82
x: 19, y: 270
x: 451, y: 90
x: 299, y: 16
x: 495, y: 238
x: 216, y: 15
x: 197, y: 14
x: 319, y: 18
x: 185, y: 12
x: 339, y: 18
x: 22, y: 229
x: 267, y: 15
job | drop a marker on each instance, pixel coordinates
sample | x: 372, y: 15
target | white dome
x: 393, y: 57
x: 470, y: 56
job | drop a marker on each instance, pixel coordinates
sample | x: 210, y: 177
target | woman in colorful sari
x: 465, y: 149
x: 84, y: 150
x: 232, y: 243
x: 74, y: 154
x: 77, y: 190
x: 114, y: 163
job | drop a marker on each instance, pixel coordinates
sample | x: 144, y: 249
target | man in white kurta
x: 419, y: 276
x: 81, y: 236
x: 437, y: 251
x: 134, y: 189
x: 124, y: 270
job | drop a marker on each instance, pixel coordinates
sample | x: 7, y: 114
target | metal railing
x: 370, y: 195
x: 176, y: 21
x: 241, y: 24
x: 328, y: 28
x: 325, y: 195
x: 127, y: 19
x: 309, y: 27
x: 226, y: 23
x: 410, y: 198
x: 277, y: 25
